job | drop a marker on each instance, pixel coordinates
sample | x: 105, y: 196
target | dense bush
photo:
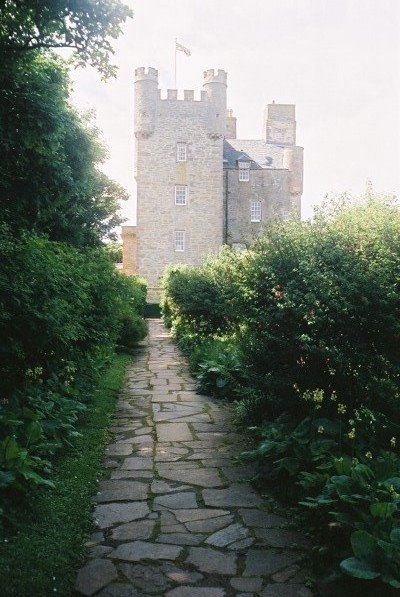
x: 62, y: 311
x: 199, y: 299
x: 309, y: 348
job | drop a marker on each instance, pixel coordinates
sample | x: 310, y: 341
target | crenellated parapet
x: 212, y: 76
x: 143, y: 74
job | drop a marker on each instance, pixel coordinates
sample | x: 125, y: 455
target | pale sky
x: 337, y: 60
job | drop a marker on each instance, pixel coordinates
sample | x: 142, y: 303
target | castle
x: 198, y: 187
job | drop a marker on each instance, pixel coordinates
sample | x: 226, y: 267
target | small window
x: 180, y: 194
x: 179, y: 240
x: 244, y: 171
x: 181, y: 152
x: 255, y: 211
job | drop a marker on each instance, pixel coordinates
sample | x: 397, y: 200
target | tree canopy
x: 49, y: 157
x: 85, y: 26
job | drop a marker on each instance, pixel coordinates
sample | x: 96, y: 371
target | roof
x: 262, y: 155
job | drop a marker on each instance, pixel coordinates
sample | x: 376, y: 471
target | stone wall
x: 129, y: 241
x: 268, y: 186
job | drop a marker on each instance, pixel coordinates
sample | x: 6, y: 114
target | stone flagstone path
x: 175, y: 518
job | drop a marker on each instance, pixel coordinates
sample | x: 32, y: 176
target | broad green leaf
x: 33, y: 432
x: 11, y: 449
x: 362, y: 474
x: 363, y: 544
x: 383, y: 509
x: 359, y: 569
x: 395, y: 535
x: 32, y: 476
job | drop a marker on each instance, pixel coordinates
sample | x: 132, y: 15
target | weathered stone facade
x: 190, y: 197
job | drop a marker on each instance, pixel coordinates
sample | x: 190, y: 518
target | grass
x: 41, y: 559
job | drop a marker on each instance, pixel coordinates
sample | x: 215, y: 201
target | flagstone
x: 242, y: 544
x: 180, y: 538
x: 247, y: 584
x: 228, y: 535
x: 170, y: 524
x: 141, y: 550
x: 94, y: 576
x: 209, y: 526
x: 137, y: 463
x: 267, y: 561
x: 210, y: 560
x: 202, y: 417
x: 120, y: 590
x: 164, y: 487
x: 148, y: 578
x: 259, y: 518
x: 173, y: 432
x: 131, y: 474
x: 199, y: 514
x: 204, y: 477
x: 196, y: 592
x: 107, y: 515
x: 281, y: 538
x: 174, y: 501
x: 163, y: 397
x: 235, y: 495
x: 121, y: 490
x: 180, y: 576
x: 139, y: 529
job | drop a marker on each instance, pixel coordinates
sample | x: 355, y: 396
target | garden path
x: 176, y: 517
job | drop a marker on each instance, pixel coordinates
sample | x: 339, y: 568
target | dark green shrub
x: 133, y: 329
x: 311, y: 316
x: 199, y: 298
x: 323, y: 311
x: 60, y: 318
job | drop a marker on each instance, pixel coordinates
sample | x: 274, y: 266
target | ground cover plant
x: 52, y: 525
x: 302, y: 331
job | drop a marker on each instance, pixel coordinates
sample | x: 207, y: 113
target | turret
x: 215, y: 87
x: 230, y: 125
x: 146, y: 96
x: 293, y: 161
x: 280, y: 124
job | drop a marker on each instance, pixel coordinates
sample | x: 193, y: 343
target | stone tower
x: 178, y: 170
x: 198, y: 186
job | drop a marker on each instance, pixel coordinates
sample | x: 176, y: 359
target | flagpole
x: 176, y: 39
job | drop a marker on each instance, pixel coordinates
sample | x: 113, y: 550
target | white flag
x: 182, y: 48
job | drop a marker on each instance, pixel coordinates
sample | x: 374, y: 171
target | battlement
x: 188, y: 95
x: 142, y: 74
x: 212, y: 76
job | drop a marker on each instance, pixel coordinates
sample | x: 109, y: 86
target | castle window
x: 244, y: 171
x: 180, y: 194
x: 255, y: 211
x: 181, y: 152
x: 179, y: 240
